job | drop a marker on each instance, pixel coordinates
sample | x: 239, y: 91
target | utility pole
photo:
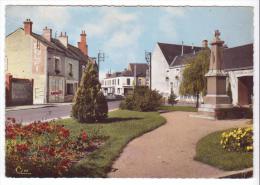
x: 148, y: 57
x: 101, y: 58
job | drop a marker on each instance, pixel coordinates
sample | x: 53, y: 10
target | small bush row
x: 142, y: 99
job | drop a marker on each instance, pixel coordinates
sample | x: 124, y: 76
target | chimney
x: 28, y: 26
x: 47, y: 33
x: 82, y: 45
x: 205, y: 43
x: 63, y: 38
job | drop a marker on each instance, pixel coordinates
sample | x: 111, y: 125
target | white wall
x: 113, y: 87
x: 233, y: 79
x: 159, y: 68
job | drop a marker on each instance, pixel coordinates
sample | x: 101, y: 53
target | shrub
x: 89, y: 104
x: 143, y: 99
x: 43, y: 149
x: 240, y: 139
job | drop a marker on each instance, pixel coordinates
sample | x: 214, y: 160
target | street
x: 46, y: 113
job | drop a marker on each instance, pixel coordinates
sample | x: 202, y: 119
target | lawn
x: 178, y: 108
x: 121, y: 127
x: 209, y: 151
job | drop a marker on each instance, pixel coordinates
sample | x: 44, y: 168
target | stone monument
x: 216, y: 98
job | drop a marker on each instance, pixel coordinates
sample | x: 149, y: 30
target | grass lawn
x: 178, y: 108
x: 209, y: 151
x: 121, y: 127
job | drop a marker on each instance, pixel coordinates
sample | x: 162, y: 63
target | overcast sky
x: 124, y: 33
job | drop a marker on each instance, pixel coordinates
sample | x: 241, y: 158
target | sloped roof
x: 170, y: 51
x: 238, y: 57
x: 71, y: 51
x: 141, y: 69
x: 182, y: 59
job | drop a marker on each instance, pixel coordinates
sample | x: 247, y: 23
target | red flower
x: 51, y: 151
x: 64, y: 132
x: 84, y: 136
x: 22, y: 148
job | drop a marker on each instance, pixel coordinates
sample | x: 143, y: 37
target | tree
x: 89, y: 104
x: 194, y: 81
x: 172, y: 98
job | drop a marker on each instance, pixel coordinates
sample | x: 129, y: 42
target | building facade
x: 169, y: 61
x: 122, y: 83
x: 54, y: 64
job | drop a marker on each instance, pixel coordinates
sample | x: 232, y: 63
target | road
x: 45, y: 113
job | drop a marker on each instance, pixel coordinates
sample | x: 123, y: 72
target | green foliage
x: 89, y: 103
x: 172, y: 98
x: 142, y: 99
x: 194, y: 80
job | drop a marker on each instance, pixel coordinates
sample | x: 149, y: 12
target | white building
x: 122, y: 83
x: 167, y: 68
x: 169, y: 60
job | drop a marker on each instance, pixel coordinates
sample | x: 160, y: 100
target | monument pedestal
x: 216, y: 100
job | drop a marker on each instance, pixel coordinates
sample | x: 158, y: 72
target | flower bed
x: 44, y: 149
x: 240, y: 139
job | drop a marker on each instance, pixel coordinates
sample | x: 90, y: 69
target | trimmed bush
x: 89, y: 104
x: 143, y: 99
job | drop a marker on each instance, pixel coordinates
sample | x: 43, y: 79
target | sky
x: 125, y: 33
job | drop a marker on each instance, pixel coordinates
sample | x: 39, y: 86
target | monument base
x: 215, y: 111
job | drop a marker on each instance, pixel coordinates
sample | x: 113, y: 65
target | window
x: 139, y: 82
x: 128, y: 81
x: 118, y: 90
x: 117, y: 81
x: 70, y: 90
x: 70, y: 70
x: 56, y: 66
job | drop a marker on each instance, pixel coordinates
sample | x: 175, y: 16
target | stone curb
x: 64, y: 117
x: 241, y: 174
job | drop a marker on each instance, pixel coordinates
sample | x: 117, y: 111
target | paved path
x: 30, y: 113
x: 169, y: 150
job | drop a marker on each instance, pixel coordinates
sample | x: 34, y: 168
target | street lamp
x: 148, y: 60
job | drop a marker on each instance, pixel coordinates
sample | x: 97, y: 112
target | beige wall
x: 20, y: 54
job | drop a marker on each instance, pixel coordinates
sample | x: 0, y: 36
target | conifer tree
x: 172, y: 98
x: 89, y: 104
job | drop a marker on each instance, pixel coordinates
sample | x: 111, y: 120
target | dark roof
x: 170, y: 51
x: 118, y: 74
x: 240, y: 57
x: 141, y: 69
x: 71, y: 51
x: 182, y: 59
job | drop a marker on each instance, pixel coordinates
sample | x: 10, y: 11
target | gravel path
x: 169, y: 150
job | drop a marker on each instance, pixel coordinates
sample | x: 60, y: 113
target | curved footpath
x: 169, y: 150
